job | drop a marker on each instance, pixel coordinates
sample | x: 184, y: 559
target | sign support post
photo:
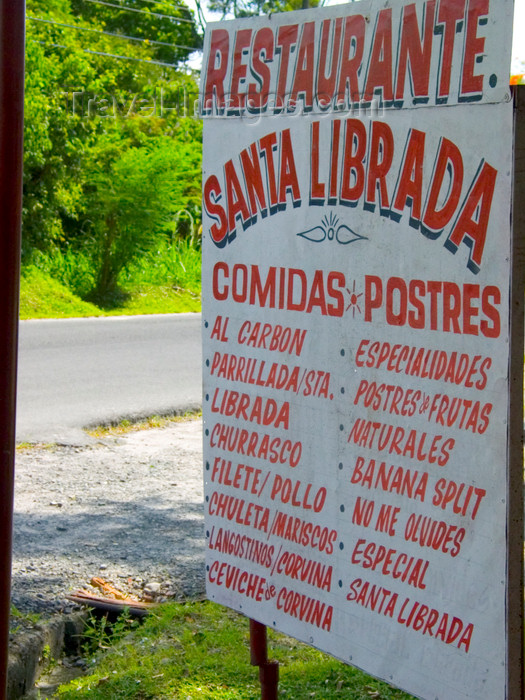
x: 515, y: 652
x: 268, y: 670
x: 12, y: 31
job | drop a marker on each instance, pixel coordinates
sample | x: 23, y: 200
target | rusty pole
x: 268, y: 670
x: 515, y: 558
x: 12, y: 44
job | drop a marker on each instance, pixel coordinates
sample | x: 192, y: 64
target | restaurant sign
x: 356, y: 245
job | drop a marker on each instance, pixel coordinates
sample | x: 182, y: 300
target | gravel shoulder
x: 128, y: 510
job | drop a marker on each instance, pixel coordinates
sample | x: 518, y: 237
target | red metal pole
x: 12, y: 44
x: 515, y: 558
x: 258, y: 644
x: 268, y: 670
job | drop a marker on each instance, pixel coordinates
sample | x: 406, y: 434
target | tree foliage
x: 251, y: 8
x: 99, y: 146
x: 133, y: 198
x: 168, y: 22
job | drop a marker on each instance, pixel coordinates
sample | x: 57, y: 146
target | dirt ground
x: 128, y: 510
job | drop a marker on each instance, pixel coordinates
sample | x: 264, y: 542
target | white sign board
x: 356, y: 237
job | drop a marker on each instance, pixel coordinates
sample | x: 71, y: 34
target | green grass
x: 201, y: 650
x: 71, y: 269
x: 31, y: 618
x: 126, y: 426
x: 41, y: 296
x: 159, y: 299
x: 164, y: 280
x: 177, y: 262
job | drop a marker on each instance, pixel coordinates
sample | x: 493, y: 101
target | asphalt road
x: 75, y: 373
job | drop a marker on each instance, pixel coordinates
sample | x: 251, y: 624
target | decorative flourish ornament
x: 330, y: 229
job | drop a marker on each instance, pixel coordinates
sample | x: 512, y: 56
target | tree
x: 63, y: 141
x: 53, y: 143
x: 250, y: 8
x: 132, y: 200
x: 168, y: 26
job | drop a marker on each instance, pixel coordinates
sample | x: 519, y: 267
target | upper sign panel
x: 368, y: 53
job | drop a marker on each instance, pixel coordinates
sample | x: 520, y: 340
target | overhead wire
x: 119, y: 36
x: 109, y: 55
x: 143, y: 12
x: 155, y: 2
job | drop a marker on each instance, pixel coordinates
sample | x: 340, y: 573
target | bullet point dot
x: 342, y: 352
x: 207, y: 499
x: 342, y: 509
x: 207, y: 397
x: 340, y: 583
x: 207, y: 363
x: 341, y: 545
x: 205, y: 324
x: 207, y: 466
x: 340, y: 465
x: 342, y: 390
x: 341, y: 427
x: 207, y: 432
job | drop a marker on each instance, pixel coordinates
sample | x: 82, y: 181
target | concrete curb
x: 61, y: 635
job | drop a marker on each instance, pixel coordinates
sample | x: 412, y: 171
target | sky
x: 518, y: 44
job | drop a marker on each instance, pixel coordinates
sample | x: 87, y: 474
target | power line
x: 142, y: 12
x: 99, y: 31
x: 119, y: 36
x: 108, y: 55
x: 154, y: 2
